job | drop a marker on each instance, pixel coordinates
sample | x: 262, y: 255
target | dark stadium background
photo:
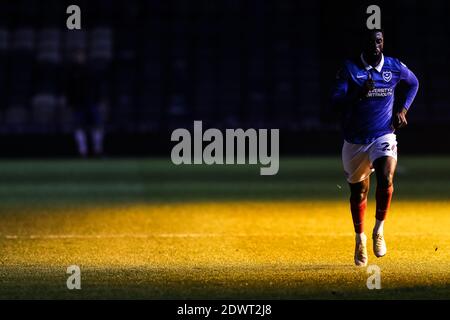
x: 229, y: 63
x: 141, y: 227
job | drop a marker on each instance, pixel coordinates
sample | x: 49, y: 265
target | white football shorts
x: 358, y: 158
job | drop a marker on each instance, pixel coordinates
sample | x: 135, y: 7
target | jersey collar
x: 368, y: 66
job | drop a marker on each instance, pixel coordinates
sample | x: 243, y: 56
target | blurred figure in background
x: 82, y: 89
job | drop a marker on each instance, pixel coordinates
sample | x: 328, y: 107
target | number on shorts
x: 386, y: 146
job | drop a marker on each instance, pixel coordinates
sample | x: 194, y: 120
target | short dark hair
x: 365, y: 34
x: 371, y: 31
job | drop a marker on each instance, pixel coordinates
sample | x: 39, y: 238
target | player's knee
x: 386, y: 180
x: 358, y: 197
x: 360, y: 194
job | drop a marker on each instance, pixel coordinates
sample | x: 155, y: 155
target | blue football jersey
x: 364, y: 119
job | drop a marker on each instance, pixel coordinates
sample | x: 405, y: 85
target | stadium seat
x: 4, y: 39
x: 74, y: 40
x: 23, y: 39
x: 49, y: 45
x: 101, y: 43
x: 43, y: 111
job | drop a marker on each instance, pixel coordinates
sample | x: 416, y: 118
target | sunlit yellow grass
x: 222, y: 250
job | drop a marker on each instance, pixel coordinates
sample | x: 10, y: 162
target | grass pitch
x: 148, y: 229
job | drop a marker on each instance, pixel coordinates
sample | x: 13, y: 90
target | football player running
x: 364, y: 93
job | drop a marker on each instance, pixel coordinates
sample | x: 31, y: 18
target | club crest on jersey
x: 387, y: 76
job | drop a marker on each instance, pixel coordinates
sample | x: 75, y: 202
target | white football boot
x: 379, y: 245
